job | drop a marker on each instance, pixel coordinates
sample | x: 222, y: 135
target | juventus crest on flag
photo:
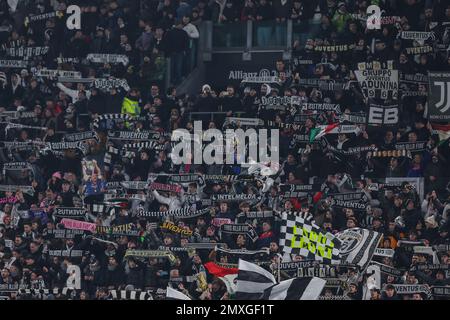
x: 439, y: 96
x: 301, y: 236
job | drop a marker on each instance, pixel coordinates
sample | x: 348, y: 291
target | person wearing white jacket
x: 74, y: 93
x: 190, y: 29
x: 173, y: 201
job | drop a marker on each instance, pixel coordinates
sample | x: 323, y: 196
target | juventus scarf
x: 440, y: 291
x: 16, y: 166
x: 81, y: 136
x: 8, y: 200
x: 108, y: 58
x: 321, y: 107
x: 62, y: 60
x: 246, y: 229
x: 73, y: 213
x: 63, y: 233
x: 334, y: 48
x: 322, y: 271
x: 27, y: 52
x: 133, y: 135
x: 176, y: 229
x: 119, y: 230
x: 165, y: 187
x: 66, y: 253
x: 112, y: 117
x: 186, y: 178
x: 108, y: 84
x: 411, y: 288
x: 13, y: 64
x: 184, y: 213
x: 355, y: 196
x: 235, y: 197
x: 348, y: 204
x: 423, y: 267
x: 419, y: 50
x: 395, y: 272
x: 300, y: 187
x: 242, y: 251
x: 352, y: 150
x: 287, y: 266
x: 135, y: 185
x: 391, y: 153
x: 48, y: 73
x: 152, y: 145
x: 325, y: 85
x: 356, y: 118
x: 13, y: 188
x: 251, y: 122
x: 417, y: 35
x: 411, y: 146
x: 43, y: 16
x: 149, y: 254
x: 259, y: 214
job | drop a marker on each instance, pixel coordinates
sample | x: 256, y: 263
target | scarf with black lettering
x: 62, y: 60
x: 63, y: 233
x: 43, y: 16
x: 417, y: 35
x: 258, y: 214
x: 108, y: 84
x: 66, y: 253
x: 235, y: 197
x: 325, y: 85
x: 165, y: 187
x: 134, y: 135
x: 13, y: 64
x: 119, y: 230
x: 245, y: 229
x: 244, y: 252
x: 135, y: 185
x: 391, y: 154
x: 419, y: 50
x: 250, y: 122
x: 184, y: 213
x: 148, y: 254
x: 112, y: 117
x: 16, y: 166
x: 352, y: 150
x: 13, y: 188
x: 412, y: 146
x: 170, y: 226
x: 108, y: 58
x: 27, y: 52
x: 11, y: 125
x: 321, y: 107
x: 395, y: 272
x: 356, y: 118
x: 334, y: 48
x: 72, y: 213
x: 81, y: 136
x: 50, y: 73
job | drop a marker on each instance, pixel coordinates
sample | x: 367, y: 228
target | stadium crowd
x: 406, y: 193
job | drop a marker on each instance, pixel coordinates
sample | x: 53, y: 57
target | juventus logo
x: 444, y: 103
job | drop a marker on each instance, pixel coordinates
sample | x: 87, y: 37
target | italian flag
x: 227, y: 275
x: 320, y: 131
x: 442, y: 130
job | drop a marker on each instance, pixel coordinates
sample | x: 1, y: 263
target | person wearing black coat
x: 135, y: 275
x: 96, y: 103
x: 115, y: 276
x: 114, y: 101
x: 177, y: 43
